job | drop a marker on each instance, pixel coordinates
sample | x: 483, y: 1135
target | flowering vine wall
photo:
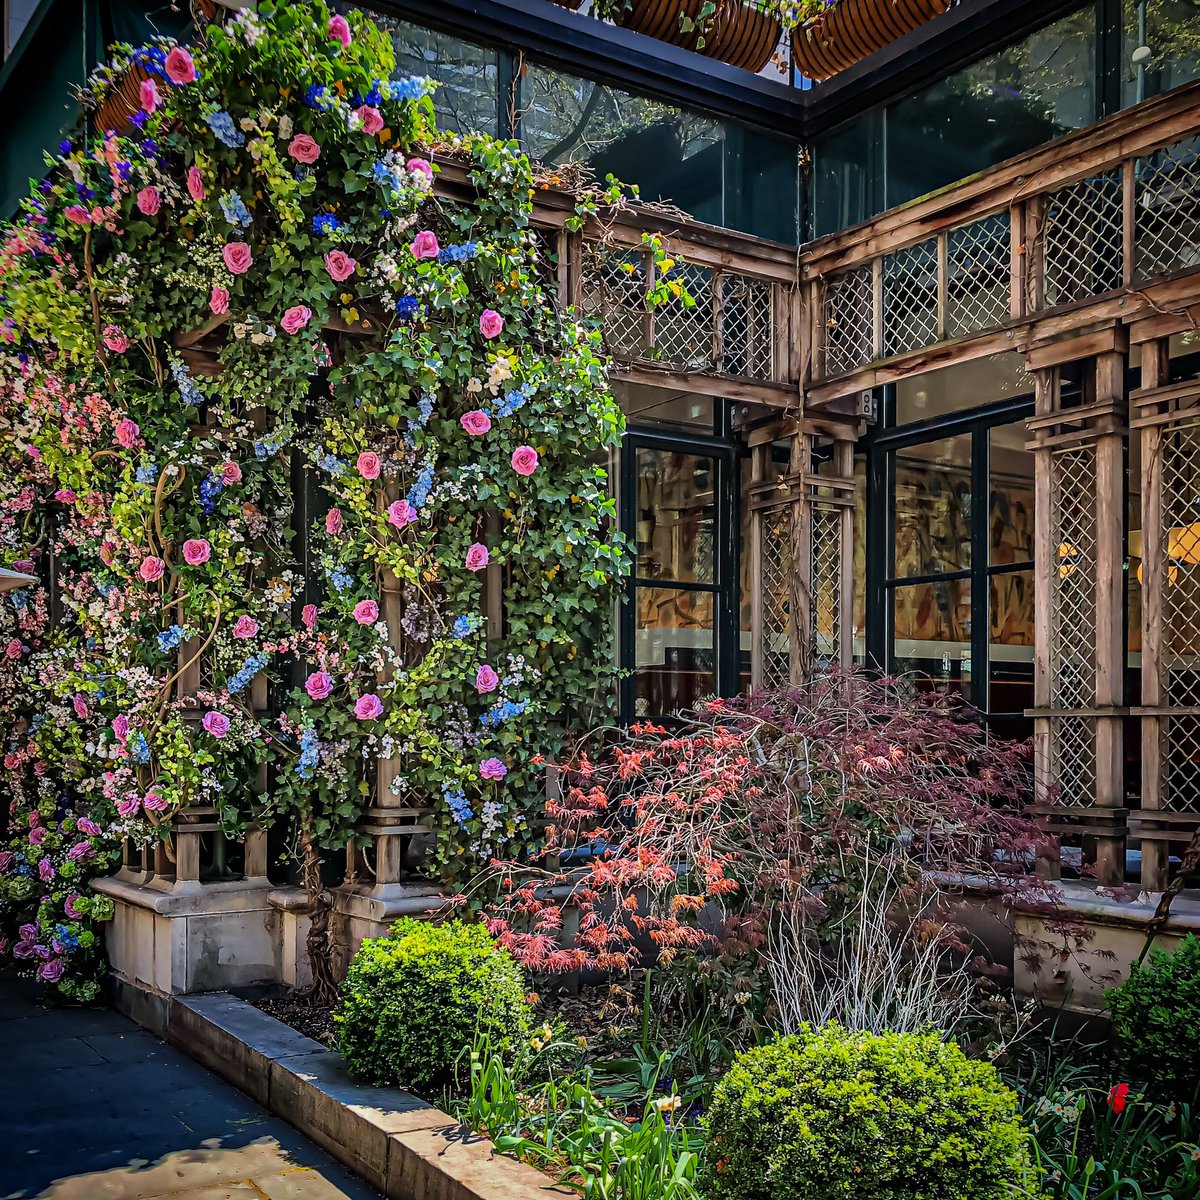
x: 274, y: 411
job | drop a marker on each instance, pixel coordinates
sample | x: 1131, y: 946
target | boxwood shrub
x: 837, y: 1115
x: 413, y: 1000
x: 1156, y: 1021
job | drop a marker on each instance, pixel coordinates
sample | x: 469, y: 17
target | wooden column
x: 800, y: 606
x: 843, y: 461
x: 760, y: 460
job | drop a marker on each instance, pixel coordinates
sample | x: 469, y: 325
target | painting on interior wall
x: 1010, y: 535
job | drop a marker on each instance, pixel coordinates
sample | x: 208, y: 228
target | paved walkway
x: 92, y: 1107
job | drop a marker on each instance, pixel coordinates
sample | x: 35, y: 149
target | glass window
x: 933, y: 632
x: 1160, y: 47
x: 646, y: 405
x: 933, y: 508
x: 675, y: 659
x: 16, y: 16
x: 762, y: 185
x: 846, y: 169
x: 675, y: 505
x: 965, y: 385
x: 468, y: 98
x: 1010, y: 504
x: 1027, y: 94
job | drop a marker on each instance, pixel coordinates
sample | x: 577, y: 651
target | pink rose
x: 89, y: 827
x: 370, y: 118
x: 339, y: 30
x: 78, y: 214
x: 65, y: 496
x: 491, y: 323
x: 425, y: 245
x: 318, y: 685
x: 308, y: 616
x: 237, y: 257
x: 195, y: 184
x: 368, y: 707
x: 492, y: 768
x: 401, y: 513
x: 368, y: 464
x: 71, y: 906
x: 334, y: 522
x: 126, y: 433
x: 120, y: 727
x: 215, y: 723
x: 230, y: 473
x: 419, y: 166
x: 296, y: 318
x: 115, y: 340
x: 245, y: 627
x: 196, y: 551
x: 477, y: 556
x: 148, y: 95
x: 486, y: 680
x: 180, y: 67
x: 152, y: 568
x: 219, y: 301
x: 339, y: 265
x: 37, y: 836
x: 366, y: 612
x: 14, y: 649
x: 154, y: 800
x: 524, y: 460
x: 45, y: 870
x: 149, y: 201
x: 476, y: 422
x: 81, y: 708
x: 303, y: 149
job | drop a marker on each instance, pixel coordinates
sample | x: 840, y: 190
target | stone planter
x: 736, y: 33
x: 855, y: 28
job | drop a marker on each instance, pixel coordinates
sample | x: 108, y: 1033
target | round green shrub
x: 414, y: 1000
x: 837, y: 1115
x: 1156, y: 1021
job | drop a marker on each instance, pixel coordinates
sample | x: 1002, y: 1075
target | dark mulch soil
x: 313, y: 1020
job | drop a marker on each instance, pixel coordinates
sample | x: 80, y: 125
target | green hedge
x: 837, y: 1115
x: 413, y: 1001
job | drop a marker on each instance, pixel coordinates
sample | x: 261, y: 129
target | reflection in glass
x: 675, y: 510
x: 675, y: 660
x: 932, y: 631
x: 933, y: 508
x: 467, y: 98
x: 1010, y: 642
x: 1010, y: 506
x: 1160, y: 47
x: 962, y: 386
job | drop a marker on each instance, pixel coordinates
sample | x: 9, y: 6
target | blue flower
x: 457, y: 801
x: 514, y: 400
x: 325, y: 223
x: 170, y: 638
x: 407, y: 307
x: 458, y: 253
x: 188, y: 390
x: 504, y: 711
x: 149, y: 147
x: 235, y: 210
x: 139, y: 750
x: 64, y: 148
x: 221, y: 123
x: 317, y: 96
x: 310, y: 754
x: 265, y: 447
x: 342, y: 580
x: 420, y: 490
x: 250, y: 668
x: 147, y: 474
x: 138, y: 120
x: 210, y: 490
x: 383, y: 174
x: 332, y: 464
x: 19, y: 599
x: 414, y: 87
x: 463, y: 627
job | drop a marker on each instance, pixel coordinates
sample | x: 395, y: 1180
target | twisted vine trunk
x: 318, y: 943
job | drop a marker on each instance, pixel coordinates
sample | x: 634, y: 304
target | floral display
x: 307, y: 461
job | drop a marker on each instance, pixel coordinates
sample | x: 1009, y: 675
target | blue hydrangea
x: 420, y: 490
x: 457, y: 800
x: 188, y: 390
x: 332, y: 464
x: 139, y: 750
x: 68, y: 940
x: 504, y: 711
x: 407, y: 307
x: 342, y: 580
x: 147, y: 474
x: 316, y: 95
x: 461, y: 253
x: 413, y: 87
x: 325, y: 223
x: 235, y: 210
x: 19, y: 599
x: 224, y: 129
x: 169, y: 639
x: 310, y: 754
x: 383, y: 174
x: 514, y: 400
x: 424, y: 410
x: 247, y: 671
x: 149, y: 147
x: 154, y: 59
x: 210, y: 490
x: 463, y: 627
x: 265, y: 447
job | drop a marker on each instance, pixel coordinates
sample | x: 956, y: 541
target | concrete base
x: 360, y: 911
x: 1077, y: 976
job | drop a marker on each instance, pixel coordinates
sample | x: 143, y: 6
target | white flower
x: 285, y: 127
x: 668, y: 1104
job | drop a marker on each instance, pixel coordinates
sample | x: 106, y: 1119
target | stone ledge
x: 397, y: 1142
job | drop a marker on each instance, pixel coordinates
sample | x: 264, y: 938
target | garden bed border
x: 397, y: 1142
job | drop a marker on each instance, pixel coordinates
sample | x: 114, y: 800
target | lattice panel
x: 1167, y: 222
x: 775, y: 585
x: 849, y: 321
x: 910, y: 298
x: 614, y: 292
x: 1073, y: 621
x: 826, y: 582
x: 978, y: 272
x: 1084, y: 242
x: 747, y: 327
x: 683, y: 336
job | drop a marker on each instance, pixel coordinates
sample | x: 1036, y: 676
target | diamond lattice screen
x: 614, y: 292
x: 1084, y: 240
x: 747, y: 327
x: 826, y: 576
x: 849, y: 321
x: 775, y: 584
x: 910, y: 298
x: 1167, y: 220
x: 978, y: 265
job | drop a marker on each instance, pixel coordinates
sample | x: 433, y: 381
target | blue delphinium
x: 463, y: 627
x: 139, y: 750
x: 188, y: 390
x: 332, y: 464
x: 504, y: 711
x: 342, y: 580
x: 246, y: 673
x: 407, y: 307
x: 235, y: 210
x: 514, y: 400
x: 310, y: 754
x: 224, y: 129
x: 316, y: 95
x: 414, y: 87
x: 169, y: 639
x: 421, y: 489
x: 210, y: 490
x: 325, y: 223
x: 457, y: 801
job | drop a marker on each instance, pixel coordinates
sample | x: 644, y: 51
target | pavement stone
x: 94, y: 1108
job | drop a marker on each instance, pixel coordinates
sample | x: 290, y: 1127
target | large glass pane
x: 965, y: 385
x: 1010, y: 642
x: 1010, y: 502
x: 847, y: 175
x: 1025, y: 95
x: 932, y: 633
x: 468, y: 98
x: 16, y: 16
x: 643, y: 404
x: 762, y: 185
x: 674, y: 653
x: 670, y: 153
x: 675, y: 509
x: 933, y: 508
x: 1160, y: 47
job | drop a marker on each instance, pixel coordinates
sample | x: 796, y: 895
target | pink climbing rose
x: 215, y: 723
x: 368, y: 707
x: 148, y: 95
x: 318, y: 685
x: 401, y: 513
x: 491, y: 323
x: 525, y: 460
x: 245, y: 627
x: 339, y: 265
x: 195, y: 184
x: 370, y: 118
x: 149, y: 201
x: 219, y: 301
x: 492, y: 768
x: 368, y: 464
x: 304, y: 149
x: 366, y: 612
x: 339, y: 30
x: 486, y: 680
x: 477, y: 556
x: 476, y: 422
x: 425, y: 245
x: 237, y: 257
x: 180, y: 67
x: 126, y: 433
x: 152, y: 568
x: 296, y: 318
x: 196, y: 552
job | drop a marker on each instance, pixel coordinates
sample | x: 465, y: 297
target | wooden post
x: 1110, y: 641
x: 843, y: 462
x: 800, y: 606
x: 760, y: 459
x: 1155, y: 635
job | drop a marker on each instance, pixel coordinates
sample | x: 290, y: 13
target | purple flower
x: 71, y: 906
x: 88, y: 826
x: 492, y: 768
x: 215, y: 723
x: 80, y: 850
x: 51, y: 971
x: 45, y: 870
